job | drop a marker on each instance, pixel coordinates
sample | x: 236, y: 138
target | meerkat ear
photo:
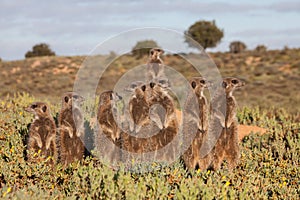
x: 144, y: 88
x: 193, y: 84
x: 44, y: 108
x: 224, y: 84
x: 66, y: 99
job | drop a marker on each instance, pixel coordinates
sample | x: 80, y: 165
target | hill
x: 272, y: 77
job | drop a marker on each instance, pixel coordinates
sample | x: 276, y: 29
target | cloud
x: 286, y: 6
x: 75, y: 24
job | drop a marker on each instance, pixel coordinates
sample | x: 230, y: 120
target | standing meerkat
x: 138, y: 109
x: 71, y: 126
x: 145, y: 97
x: 155, y: 66
x: 42, y: 132
x: 108, y: 127
x: 227, y: 145
x: 198, y: 116
x: 158, y: 95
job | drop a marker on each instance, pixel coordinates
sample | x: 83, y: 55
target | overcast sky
x: 75, y: 27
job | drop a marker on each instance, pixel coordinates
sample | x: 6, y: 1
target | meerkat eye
x: 119, y: 97
x: 224, y: 84
x: 133, y: 86
x: 111, y: 96
x: 234, y: 81
x: 144, y: 88
x: 33, y: 106
x: 152, y: 84
x: 66, y: 99
x: 44, y: 108
x: 162, y: 81
x: 193, y: 84
x: 151, y: 52
x: 75, y: 97
x: 202, y: 81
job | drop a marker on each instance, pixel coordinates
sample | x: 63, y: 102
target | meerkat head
x: 39, y: 109
x: 199, y: 84
x: 132, y: 86
x: 155, y: 53
x: 70, y: 98
x: 230, y: 84
x: 140, y: 92
x: 109, y: 97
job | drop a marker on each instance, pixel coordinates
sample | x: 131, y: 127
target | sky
x: 76, y: 27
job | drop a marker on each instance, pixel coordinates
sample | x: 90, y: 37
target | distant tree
x: 237, y: 47
x: 261, y: 48
x: 38, y: 50
x: 143, y: 47
x: 206, y: 33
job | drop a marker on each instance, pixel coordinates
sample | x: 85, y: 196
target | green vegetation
x: 237, y: 47
x: 142, y: 48
x: 206, y: 33
x: 269, y: 166
x: 39, y: 50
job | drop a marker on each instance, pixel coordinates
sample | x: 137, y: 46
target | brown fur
x: 152, y: 94
x: 192, y: 157
x: 138, y: 109
x: 155, y: 67
x: 107, y: 141
x: 71, y: 136
x: 42, y: 132
x: 159, y: 96
x: 227, y: 146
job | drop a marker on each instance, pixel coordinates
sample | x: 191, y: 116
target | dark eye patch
x: 144, y: 88
x: 111, y: 96
x: 234, y: 81
x: 224, y: 84
x: 33, y: 106
x: 202, y: 81
x: 66, y: 99
x: 133, y: 85
x: 162, y: 81
x: 193, y: 84
x: 44, y: 108
x: 152, y: 84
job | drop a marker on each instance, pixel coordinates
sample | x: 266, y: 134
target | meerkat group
x: 150, y: 123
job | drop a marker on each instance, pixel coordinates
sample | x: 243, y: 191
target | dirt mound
x: 244, y: 130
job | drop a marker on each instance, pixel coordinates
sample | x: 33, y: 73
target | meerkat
x: 227, y: 145
x: 149, y: 95
x: 192, y: 157
x: 108, y: 127
x: 106, y: 114
x: 155, y: 66
x: 42, y: 132
x: 138, y: 109
x: 158, y: 95
x: 71, y: 128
